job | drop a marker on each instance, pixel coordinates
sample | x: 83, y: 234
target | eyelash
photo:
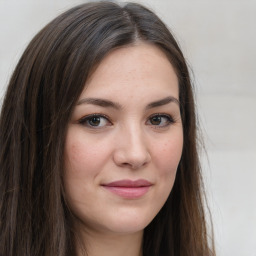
x: 85, y: 120
x: 169, y: 120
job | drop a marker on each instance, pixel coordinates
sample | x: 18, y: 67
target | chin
x: 129, y: 222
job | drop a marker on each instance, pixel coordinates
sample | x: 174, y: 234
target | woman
x: 99, y: 141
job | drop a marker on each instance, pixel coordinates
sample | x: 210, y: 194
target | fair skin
x: 123, y: 146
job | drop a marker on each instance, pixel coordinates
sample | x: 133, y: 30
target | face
x: 124, y: 141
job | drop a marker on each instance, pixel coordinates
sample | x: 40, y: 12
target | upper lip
x: 129, y: 183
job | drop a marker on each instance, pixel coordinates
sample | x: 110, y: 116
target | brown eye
x: 156, y: 120
x: 160, y: 120
x: 95, y: 121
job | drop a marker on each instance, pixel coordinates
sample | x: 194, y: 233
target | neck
x: 109, y: 244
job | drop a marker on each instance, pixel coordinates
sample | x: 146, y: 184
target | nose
x: 131, y: 149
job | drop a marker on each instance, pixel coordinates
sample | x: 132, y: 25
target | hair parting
x: 34, y: 216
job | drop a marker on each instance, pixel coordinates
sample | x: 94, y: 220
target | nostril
x: 132, y: 161
x: 131, y: 151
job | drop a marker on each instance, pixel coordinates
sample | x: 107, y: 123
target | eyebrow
x: 115, y: 105
x: 162, y: 102
x: 100, y: 102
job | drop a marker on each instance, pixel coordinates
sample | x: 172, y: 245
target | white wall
x: 219, y: 39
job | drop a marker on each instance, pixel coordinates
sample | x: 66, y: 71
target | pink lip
x: 128, y: 188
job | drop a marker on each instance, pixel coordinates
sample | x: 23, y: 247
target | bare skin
x: 126, y: 127
x: 112, y: 245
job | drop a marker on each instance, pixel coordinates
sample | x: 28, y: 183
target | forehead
x: 128, y: 71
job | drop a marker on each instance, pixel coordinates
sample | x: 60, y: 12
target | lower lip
x: 129, y: 192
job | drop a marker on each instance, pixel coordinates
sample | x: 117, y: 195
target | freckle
x: 73, y: 147
x: 75, y: 151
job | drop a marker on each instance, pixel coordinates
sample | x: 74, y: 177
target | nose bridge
x: 135, y: 138
x: 132, y: 147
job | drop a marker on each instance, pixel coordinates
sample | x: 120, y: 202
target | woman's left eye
x: 160, y: 120
x: 95, y: 121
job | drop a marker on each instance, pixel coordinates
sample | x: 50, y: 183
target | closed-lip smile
x: 130, y: 189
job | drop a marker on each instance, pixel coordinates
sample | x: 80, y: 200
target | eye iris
x: 94, y: 121
x: 156, y: 120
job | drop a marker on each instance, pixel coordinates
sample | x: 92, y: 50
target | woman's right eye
x: 95, y: 121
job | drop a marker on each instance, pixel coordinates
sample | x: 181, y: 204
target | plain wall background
x: 218, y: 39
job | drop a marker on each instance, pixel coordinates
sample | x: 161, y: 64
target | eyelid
x: 160, y: 114
x: 85, y: 118
x: 169, y: 117
x: 163, y: 115
x: 83, y: 121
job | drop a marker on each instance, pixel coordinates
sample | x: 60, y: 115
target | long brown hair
x: 34, y: 217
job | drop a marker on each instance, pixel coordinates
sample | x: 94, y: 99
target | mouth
x: 128, y: 188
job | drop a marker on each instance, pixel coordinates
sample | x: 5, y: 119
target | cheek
x: 167, y: 155
x: 171, y: 152
x: 84, y: 160
x: 82, y: 156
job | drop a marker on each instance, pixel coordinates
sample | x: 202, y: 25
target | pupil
x: 156, y: 120
x: 94, y: 121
